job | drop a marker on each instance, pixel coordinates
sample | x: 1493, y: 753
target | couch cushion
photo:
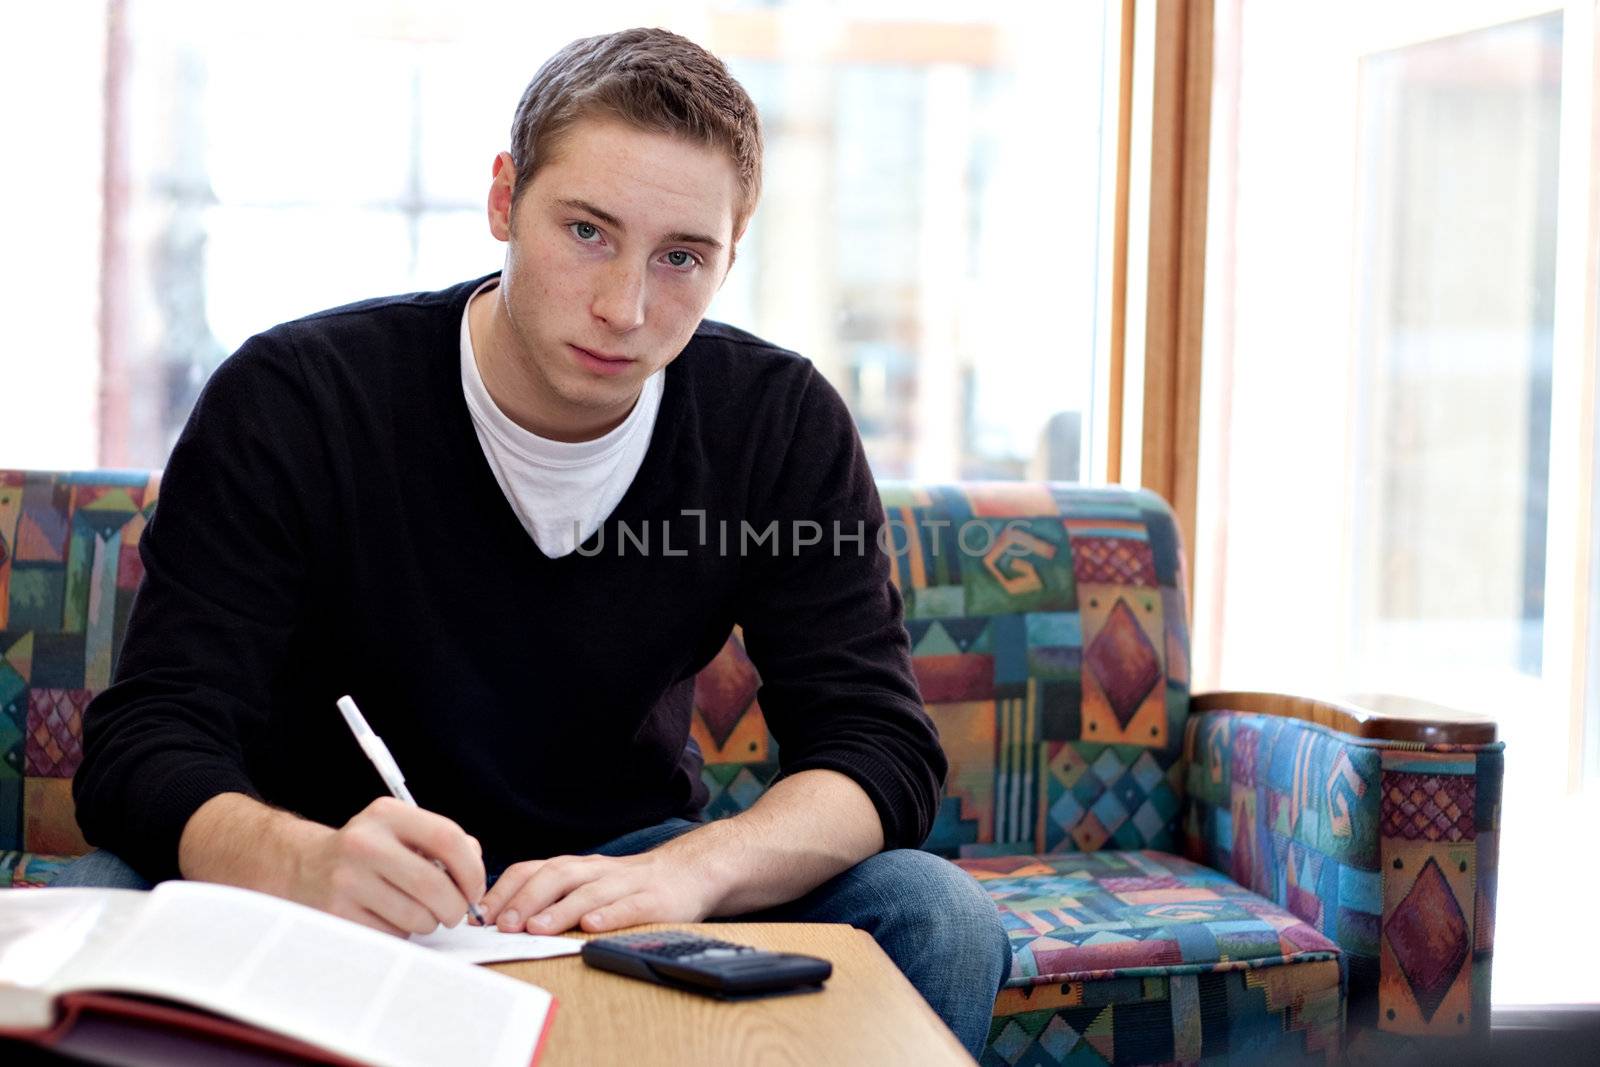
x: 1144, y: 957
x: 1073, y: 916
x: 1289, y: 1013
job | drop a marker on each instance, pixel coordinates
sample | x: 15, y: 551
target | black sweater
x: 328, y: 524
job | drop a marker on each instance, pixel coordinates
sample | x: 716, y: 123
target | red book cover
x: 169, y: 1032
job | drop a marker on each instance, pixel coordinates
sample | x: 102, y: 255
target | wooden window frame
x: 1159, y: 257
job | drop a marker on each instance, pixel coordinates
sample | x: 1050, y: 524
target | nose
x: 619, y: 297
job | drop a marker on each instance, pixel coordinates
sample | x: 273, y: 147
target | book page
x: 488, y: 944
x: 41, y: 930
x: 333, y: 983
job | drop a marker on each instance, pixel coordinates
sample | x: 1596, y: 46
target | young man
x: 427, y: 501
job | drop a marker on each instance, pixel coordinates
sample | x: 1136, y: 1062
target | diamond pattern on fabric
x: 724, y: 690
x: 1058, y: 1039
x: 1429, y: 807
x: 1273, y: 1015
x: 55, y: 724
x: 734, y: 787
x: 1113, y: 561
x: 1124, y: 662
x: 1428, y: 935
x: 1011, y: 1044
x: 1129, y: 805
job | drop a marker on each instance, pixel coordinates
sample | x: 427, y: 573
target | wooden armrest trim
x: 1380, y: 718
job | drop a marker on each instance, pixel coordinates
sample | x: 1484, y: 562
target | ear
x: 500, y: 190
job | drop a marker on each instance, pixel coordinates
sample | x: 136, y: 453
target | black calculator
x: 706, y: 965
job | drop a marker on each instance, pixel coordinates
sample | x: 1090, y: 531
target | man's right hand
x: 376, y: 870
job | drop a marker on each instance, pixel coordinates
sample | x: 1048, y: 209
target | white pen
x: 389, y: 770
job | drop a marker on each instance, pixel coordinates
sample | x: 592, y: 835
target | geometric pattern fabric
x: 1110, y: 915
x: 1388, y: 848
x: 1287, y: 1014
x: 1049, y: 639
x: 69, y: 567
x: 1430, y: 937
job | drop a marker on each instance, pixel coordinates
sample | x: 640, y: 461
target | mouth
x: 604, y: 357
x: 601, y: 364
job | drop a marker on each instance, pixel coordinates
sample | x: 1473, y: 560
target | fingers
x: 631, y: 910
x: 526, y: 892
x: 506, y: 887
x: 419, y: 880
x: 360, y: 895
x: 542, y: 884
x: 396, y: 911
x: 367, y: 917
x: 373, y: 871
x: 564, y: 914
x: 371, y: 867
x: 440, y: 838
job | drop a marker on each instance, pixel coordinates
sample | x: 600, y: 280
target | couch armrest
x: 1377, y: 716
x: 1379, y: 827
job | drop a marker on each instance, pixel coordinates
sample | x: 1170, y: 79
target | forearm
x: 237, y: 840
x: 802, y: 831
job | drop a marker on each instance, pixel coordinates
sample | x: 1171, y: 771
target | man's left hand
x: 597, y: 893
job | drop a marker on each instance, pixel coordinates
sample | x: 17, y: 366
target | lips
x: 604, y: 365
x: 605, y: 356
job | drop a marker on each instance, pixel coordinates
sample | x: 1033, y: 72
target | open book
x: 263, y: 972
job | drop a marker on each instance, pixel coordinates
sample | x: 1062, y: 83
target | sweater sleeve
x: 225, y: 575
x: 824, y: 626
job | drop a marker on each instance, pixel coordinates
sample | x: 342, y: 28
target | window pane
x: 1381, y: 308
x: 1458, y: 271
x: 927, y: 233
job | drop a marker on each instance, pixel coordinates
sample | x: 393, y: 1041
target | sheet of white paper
x: 487, y: 944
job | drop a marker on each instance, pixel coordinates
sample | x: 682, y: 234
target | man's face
x: 616, y: 248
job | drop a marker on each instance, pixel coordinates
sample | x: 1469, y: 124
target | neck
x: 513, y: 385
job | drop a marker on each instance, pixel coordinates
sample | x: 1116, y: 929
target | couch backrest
x: 1050, y: 638
x: 1048, y: 629
x: 69, y: 566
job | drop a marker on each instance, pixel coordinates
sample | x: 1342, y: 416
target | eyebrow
x: 611, y: 220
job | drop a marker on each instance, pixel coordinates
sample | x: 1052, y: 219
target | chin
x: 600, y: 397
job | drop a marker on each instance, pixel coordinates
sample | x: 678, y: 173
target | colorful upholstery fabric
x: 1123, y: 956
x: 1268, y: 1015
x: 1391, y: 849
x: 1135, y: 915
x: 1050, y: 640
x: 1049, y: 636
x: 19, y: 869
x: 69, y: 566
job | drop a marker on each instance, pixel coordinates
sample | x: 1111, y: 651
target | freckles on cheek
x: 555, y: 291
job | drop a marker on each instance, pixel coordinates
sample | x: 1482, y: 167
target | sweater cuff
x: 176, y: 793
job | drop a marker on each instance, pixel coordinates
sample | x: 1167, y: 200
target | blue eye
x: 585, y: 231
x: 679, y: 258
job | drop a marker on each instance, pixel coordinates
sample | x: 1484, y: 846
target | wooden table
x: 866, y: 1013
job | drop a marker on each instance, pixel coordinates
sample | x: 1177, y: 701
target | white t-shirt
x: 562, y: 491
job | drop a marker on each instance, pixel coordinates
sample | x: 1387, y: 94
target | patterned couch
x: 1240, y: 876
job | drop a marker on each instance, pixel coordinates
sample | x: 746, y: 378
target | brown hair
x: 654, y: 80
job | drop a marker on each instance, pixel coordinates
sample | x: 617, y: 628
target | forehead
x: 655, y: 181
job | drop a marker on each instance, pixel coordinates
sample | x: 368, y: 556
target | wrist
x: 234, y: 839
x: 710, y: 856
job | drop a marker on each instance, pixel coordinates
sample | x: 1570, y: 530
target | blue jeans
x: 929, y: 916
